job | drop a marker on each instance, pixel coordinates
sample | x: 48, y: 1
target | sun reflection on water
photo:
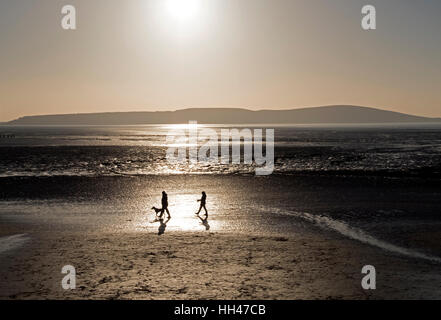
x: 183, y: 210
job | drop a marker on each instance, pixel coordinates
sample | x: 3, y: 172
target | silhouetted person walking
x: 203, y: 202
x: 164, y: 202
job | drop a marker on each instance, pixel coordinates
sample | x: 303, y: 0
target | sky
x: 154, y: 55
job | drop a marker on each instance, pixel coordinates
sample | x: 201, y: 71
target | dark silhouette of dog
x: 158, y: 210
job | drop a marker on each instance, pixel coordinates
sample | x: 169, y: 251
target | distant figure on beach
x: 164, y: 202
x: 203, y: 202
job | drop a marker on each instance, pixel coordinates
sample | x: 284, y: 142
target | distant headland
x: 312, y: 115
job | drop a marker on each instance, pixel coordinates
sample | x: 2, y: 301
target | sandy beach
x: 209, y: 265
x: 303, y: 240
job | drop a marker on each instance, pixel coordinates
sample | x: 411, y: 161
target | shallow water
x: 375, y: 211
x: 12, y: 242
x: 141, y: 150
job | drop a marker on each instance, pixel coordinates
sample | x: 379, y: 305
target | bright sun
x: 183, y: 9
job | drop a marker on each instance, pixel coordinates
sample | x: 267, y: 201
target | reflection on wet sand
x: 204, y: 222
x: 163, y: 225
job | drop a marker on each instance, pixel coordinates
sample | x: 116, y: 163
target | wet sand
x: 209, y: 265
x: 256, y: 247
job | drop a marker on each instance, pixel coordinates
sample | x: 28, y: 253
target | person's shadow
x: 204, y: 222
x: 162, y: 225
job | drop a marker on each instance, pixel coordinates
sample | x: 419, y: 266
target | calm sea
x: 141, y: 150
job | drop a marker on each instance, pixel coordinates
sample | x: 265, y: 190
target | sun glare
x: 183, y: 10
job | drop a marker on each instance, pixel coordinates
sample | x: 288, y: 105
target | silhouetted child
x: 203, y: 202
